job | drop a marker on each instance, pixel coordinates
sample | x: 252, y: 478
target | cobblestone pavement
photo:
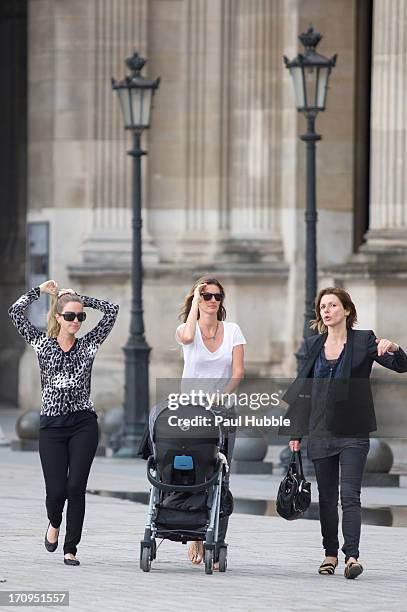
x: 272, y: 563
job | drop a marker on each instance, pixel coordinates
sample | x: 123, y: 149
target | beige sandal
x: 327, y: 569
x: 196, y: 552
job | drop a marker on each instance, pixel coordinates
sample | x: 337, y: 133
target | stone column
x: 228, y: 203
x: 255, y: 131
x: 78, y: 170
x: 388, y: 218
x: 206, y: 31
x: 375, y: 276
x: 79, y: 173
x: 120, y: 27
x: 388, y: 207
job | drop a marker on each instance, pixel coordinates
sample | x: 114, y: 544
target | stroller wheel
x: 208, y: 561
x: 223, y: 559
x: 145, y: 560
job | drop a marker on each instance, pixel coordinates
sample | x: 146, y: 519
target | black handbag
x: 294, y: 492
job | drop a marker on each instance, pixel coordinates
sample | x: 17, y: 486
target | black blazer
x: 350, y: 410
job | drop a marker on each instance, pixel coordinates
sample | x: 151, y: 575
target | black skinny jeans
x: 66, y: 457
x: 352, y: 463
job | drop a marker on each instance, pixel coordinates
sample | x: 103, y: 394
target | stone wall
x: 223, y: 182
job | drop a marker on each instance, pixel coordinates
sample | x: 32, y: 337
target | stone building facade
x: 223, y: 181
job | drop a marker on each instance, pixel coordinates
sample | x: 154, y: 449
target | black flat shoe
x: 353, y: 569
x: 50, y: 546
x: 71, y: 562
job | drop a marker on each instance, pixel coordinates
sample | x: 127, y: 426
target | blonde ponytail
x: 57, y: 304
x: 53, y: 326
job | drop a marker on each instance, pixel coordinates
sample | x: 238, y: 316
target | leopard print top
x: 65, y: 376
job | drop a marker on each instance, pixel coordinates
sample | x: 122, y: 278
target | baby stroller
x: 186, y: 473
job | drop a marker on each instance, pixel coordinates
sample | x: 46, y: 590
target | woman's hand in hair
x: 50, y: 286
x: 295, y: 445
x: 384, y: 345
x: 198, y: 291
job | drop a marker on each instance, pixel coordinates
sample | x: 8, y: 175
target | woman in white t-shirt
x: 213, y: 353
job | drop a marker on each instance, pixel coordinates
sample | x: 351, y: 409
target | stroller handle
x: 184, y: 488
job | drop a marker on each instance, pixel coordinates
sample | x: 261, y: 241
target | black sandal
x: 327, y: 569
x: 71, y: 561
x: 353, y: 569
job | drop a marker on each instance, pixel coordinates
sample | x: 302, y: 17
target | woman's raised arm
x: 99, y: 333
x: 31, y: 334
x: 387, y: 353
x: 187, y: 334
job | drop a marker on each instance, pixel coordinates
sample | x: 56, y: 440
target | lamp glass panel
x: 141, y: 104
x: 322, y: 87
x: 311, y: 78
x: 136, y: 96
x: 298, y: 82
x: 124, y: 98
x: 146, y: 107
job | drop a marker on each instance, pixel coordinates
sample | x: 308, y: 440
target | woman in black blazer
x: 331, y: 402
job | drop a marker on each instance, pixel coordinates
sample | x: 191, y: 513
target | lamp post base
x: 136, y: 402
x: 130, y: 444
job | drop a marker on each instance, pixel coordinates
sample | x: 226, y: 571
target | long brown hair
x: 346, y: 301
x: 57, y: 304
x: 186, y: 307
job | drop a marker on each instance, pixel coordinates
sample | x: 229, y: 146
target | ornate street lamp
x: 310, y: 72
x: 135, y: 95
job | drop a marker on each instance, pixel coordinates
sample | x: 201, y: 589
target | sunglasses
x: 208, y: 296
x: 71, y: 316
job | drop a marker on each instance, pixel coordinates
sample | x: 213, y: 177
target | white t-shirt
x: 199, y: 362
x: 214, y: 370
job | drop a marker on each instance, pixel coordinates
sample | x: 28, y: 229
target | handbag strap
x: 296, y: 462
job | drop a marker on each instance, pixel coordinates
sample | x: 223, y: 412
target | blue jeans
x: 352, y: 463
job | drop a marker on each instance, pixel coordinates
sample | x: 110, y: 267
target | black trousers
x: 351, y: 461
x: 66, y: 457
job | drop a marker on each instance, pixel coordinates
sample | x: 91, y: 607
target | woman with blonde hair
x: 68, y: 421
x: 331, y: 401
